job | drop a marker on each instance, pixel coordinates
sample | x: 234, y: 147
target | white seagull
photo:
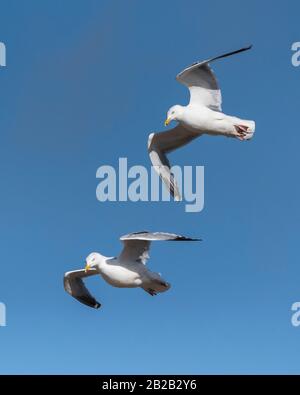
x: 128, y: 270
x: 203, y: 115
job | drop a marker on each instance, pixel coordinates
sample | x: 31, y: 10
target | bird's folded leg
x: 151, y: 292
x: 242, y: 131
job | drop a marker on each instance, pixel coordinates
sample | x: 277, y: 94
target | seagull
x: 203, y: 115
x: 128, y: 270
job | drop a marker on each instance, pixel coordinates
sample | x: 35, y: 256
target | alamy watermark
x: 136, y: 184
x: 296, y: 55
x: 2, y: 64
x: 2, y: 55
x: 295, y: 320
x: 2, y: 314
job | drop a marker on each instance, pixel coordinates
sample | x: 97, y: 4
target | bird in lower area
x: 203, y: 115
x: 128, y: 270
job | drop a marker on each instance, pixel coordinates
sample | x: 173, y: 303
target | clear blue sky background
x: 85, y: 83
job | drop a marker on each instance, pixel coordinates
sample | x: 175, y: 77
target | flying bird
x: 128, y: 270
x: 203, y: 115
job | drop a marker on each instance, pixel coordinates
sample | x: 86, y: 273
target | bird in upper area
x: 128, y: 270
x: 203, y: 115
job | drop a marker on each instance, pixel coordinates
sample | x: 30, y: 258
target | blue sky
x: 85, y: 83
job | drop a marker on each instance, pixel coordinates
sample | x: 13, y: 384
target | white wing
x: 137, y: 244
x: 74, y: 285
x: 159, y: 144
x: 202, y: 83
x: 156, y: 236
x: 135, y: 250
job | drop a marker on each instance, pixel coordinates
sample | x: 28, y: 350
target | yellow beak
x: 167, y: 121
x: 87, y: 267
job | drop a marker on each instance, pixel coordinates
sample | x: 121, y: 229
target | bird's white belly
x: 121, y: 277
x: 205, y: 120
x: 197, y: 118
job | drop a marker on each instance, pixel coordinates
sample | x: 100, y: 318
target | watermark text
x: 138, y: 184
x: 296, y: 55
x: 2, y: 55
x: 2, y: 314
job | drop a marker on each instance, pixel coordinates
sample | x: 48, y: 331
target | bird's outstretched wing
x: 202, y: 83
x: 74, y: 285
x: 159, y: 144
x: 137, y: 244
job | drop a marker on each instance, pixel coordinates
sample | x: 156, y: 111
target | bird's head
x: 93, y: 261
x: 174, y: 114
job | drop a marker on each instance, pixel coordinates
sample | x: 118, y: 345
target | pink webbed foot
x: 242, y: 132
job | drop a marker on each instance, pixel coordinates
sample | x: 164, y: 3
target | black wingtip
x: 243, y: 49
x: 225, y: 55
x: 248, y: 47
x: 97, y: 305
x: 183, y: 238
